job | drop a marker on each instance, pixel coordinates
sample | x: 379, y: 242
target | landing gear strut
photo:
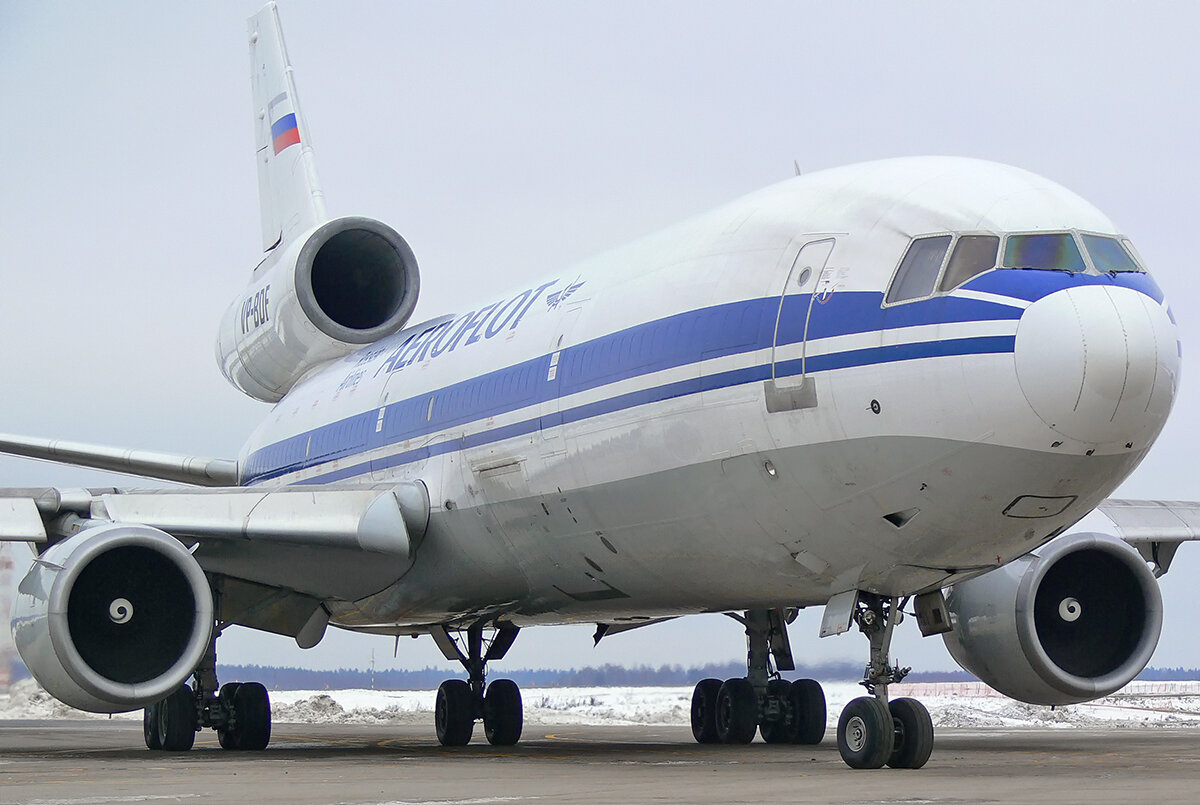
x: 784, y: 712
x: 873, y: 731
x: 461, y: 703
x: 239, y: 712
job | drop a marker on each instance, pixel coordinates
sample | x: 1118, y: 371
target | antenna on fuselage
x: 796, y: 165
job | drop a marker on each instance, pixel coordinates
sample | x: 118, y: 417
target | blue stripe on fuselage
x: 680, y: 340
x: 735, y: 377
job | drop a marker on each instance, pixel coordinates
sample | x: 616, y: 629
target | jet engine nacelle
x: 1072, y: 623
x: 113, y: 618
x: 345, y: 284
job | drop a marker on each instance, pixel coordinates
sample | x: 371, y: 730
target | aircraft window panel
x: 1053, y: 251
x: 1133, y: 252
x: 919, y: 269
x: 973, y: 255
x: 1109, y: 255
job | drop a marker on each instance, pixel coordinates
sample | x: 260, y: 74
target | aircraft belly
x: 727, y: 534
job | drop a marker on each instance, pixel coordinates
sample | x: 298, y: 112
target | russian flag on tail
x: 284, y: 132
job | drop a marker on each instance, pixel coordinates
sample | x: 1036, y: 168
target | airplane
x: 885, y: 388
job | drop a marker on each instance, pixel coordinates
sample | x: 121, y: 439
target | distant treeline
x: 276, y: 678
x: 601, y: 676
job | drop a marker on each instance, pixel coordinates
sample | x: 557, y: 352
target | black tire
x: 503, y: 714
x: 150, y: 727
x: 865, y: 734
x: 454, y: 714
x: 737, y: 711
x: 779, y: 730
x: 704, y: 711
x: 227, y: 736
x: 808, y: 703
x: 176, y: 722
x: 252, y: 709
x: 913, y: 730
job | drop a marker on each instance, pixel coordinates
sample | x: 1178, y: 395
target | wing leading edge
x: 143, y: 463
x: 1155, y: 527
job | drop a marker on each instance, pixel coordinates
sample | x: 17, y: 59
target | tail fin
x: 288, y: 188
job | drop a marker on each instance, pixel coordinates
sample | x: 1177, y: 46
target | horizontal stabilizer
x: 143, y: 463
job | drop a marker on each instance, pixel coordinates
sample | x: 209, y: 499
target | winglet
x: 288, y: 188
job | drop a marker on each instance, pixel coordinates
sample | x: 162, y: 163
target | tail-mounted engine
x: 1075, y: 622
x: 114, y: 618
x: 348, y: 283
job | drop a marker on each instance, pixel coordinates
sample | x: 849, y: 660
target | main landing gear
x: 784, y: 712
x: 461, y: 703
x: 240, y: 712
x: 872, y: 731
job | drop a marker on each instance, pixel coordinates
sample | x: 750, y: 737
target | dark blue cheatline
x: 685, y: 339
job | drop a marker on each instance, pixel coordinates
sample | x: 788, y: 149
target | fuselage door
x: 810, y: 284
x: 551, y: 409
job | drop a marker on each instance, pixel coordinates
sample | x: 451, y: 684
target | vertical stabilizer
x: 288, y: 188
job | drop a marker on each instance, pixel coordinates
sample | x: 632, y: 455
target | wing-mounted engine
x: 1075, y: 622
x: 347, y: 283
x: 113, y: 618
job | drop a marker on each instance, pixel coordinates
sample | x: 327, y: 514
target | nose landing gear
x: 873, y: 732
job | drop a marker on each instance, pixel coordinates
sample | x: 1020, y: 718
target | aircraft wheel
x: 252, y: 715
x: 865, y: 733
x: 175, y: 727
x: 704, y: 711
x: 454, y: 714
x: 737, y: 711
x: 913, y: 730
x: 808, y: 704
x: 227, y: 735
x: 780, y: 730
x: 150, y: 727
x: 503, y: 715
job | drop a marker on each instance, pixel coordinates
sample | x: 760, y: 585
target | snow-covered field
x: 1154, y: 704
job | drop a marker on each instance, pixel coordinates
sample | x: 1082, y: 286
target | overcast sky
x: 505, y: 141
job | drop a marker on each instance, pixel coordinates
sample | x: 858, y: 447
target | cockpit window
x: 1109, y: 254
x: 1055, y: 251
x: 973, y: 254
x: 919, y: 269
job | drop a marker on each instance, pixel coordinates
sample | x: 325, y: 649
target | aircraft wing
x: 144, y: 463
x: 1155, y: 527
x: 272, y: 556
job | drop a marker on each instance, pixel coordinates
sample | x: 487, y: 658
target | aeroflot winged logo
x: 473, y: 326
x: 558, y: 297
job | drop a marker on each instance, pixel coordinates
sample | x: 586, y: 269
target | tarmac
x: 102, y: 762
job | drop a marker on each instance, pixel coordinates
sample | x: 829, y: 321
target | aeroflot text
x: 464, y: 330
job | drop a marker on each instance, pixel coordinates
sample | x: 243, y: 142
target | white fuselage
x: 717, y: 417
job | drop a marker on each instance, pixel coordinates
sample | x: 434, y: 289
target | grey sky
x: 507, y: 141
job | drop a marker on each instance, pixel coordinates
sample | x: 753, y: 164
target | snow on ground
x: 1159, y: 704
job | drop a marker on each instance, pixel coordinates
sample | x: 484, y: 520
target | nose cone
x: 1098, y: 363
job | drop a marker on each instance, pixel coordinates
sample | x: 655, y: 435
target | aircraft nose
x: 1099, y: 363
